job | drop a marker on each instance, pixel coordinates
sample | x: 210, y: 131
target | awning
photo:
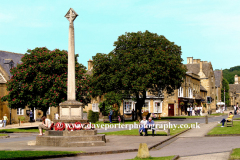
x: 220, y: 103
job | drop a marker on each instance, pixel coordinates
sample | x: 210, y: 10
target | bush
x: 93, y: 116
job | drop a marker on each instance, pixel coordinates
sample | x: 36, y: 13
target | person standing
x: 190, y: 111
x: 235, y: 110
x: 31, y: 116
x: 110, y: 116
x: 133, y: 115
x: 5, y: 119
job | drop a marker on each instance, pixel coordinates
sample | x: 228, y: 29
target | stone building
x: 165, y: 105
x: 7, y: 58
x: 234, y: 91
x: 189, y: 93
x: 205, y: 70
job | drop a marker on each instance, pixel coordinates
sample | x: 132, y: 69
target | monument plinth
x: 71, y: 111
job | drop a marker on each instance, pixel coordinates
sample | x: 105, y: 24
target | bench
x: 160, y: 130
x: 229, y: 123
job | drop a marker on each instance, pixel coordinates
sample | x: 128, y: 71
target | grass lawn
x: 3, y: 135
x: 235, y: 154
x: 237, y: 118
x: 23, y: 130
x: 23, y: 154
x: 134, y: 132
x: 226, y: 130
x: 99, y: 123
x: 155, y: 158
x: 218, y: 114
x: 182, y: 117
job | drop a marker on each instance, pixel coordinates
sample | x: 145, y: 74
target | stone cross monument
x: 71, y: 109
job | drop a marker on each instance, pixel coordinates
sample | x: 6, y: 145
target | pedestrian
x: 235, y: 110
x: 133, y: 115
x: 56, y: 115
x: 188, y: 111
x: 31, y: 116
x: 110, y: 116
x: 5, y: 119
x: 46, y: 124
x: 191, y: 108
x: 119, y: 119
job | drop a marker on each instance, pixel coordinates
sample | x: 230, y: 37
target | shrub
x: 93, y: 116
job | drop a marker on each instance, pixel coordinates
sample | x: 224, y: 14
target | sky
x: 206, y: 30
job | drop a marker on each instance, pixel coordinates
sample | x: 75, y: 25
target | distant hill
x: 230, y: 73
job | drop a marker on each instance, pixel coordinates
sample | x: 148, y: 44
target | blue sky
x: 206, y: 30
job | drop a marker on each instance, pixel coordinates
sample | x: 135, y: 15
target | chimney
x: 189, y: 60
x: 90, y: 65
x: 201, y: 66
x: 195, y: 61
x: 198, y: 60
x: 236, y: 79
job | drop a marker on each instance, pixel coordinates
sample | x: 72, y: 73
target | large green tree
x: 140, y: 62
x: 225, y: 85
x: 41, y: 80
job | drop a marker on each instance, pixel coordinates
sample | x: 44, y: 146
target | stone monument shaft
x: 71, y: 93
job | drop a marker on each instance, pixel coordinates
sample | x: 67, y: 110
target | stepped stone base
x: 81, y: 138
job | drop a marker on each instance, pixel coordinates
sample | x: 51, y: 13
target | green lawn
x: 235, y: 154
x: 99, y: 123
x: 218, y: 114
x: 3, y: 135
x: 226, y: 130
x: 23, y: 154
x: 182, y: 117
x: 134, y: 132
x: 154, y: 158
x: 237, y: 118
x: 23, y: 130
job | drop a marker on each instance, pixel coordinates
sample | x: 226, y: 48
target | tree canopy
x: 41, y: 80
x: 140, y: 62
x: 225, y: 85
x: 229, y: 74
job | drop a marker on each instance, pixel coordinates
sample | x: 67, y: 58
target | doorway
x: 170, y: 109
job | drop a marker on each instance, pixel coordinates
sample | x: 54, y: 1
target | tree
x: 41, y: 80
x: 140, y: 62
x: 225, y: 85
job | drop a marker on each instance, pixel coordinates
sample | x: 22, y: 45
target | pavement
x: 189, y: 145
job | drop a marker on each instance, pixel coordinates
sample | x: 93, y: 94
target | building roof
x: 218, y: 77
x: 234, y: 88
x: 195, y: 68
x: 202, y: 88
x: 89, y: 72
x: 6, y: 57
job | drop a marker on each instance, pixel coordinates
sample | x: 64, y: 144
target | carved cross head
x: 71, y: 15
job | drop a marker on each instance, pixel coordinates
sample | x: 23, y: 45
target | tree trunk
x: 140, y: 103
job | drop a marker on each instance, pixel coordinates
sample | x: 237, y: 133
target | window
x: 190, y: 94
x: 180, y: 92
x: 146, y: 107
x: 95, y: 107
x: 128, y: 107
x: 157, y: 106
x: 20, y: 111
